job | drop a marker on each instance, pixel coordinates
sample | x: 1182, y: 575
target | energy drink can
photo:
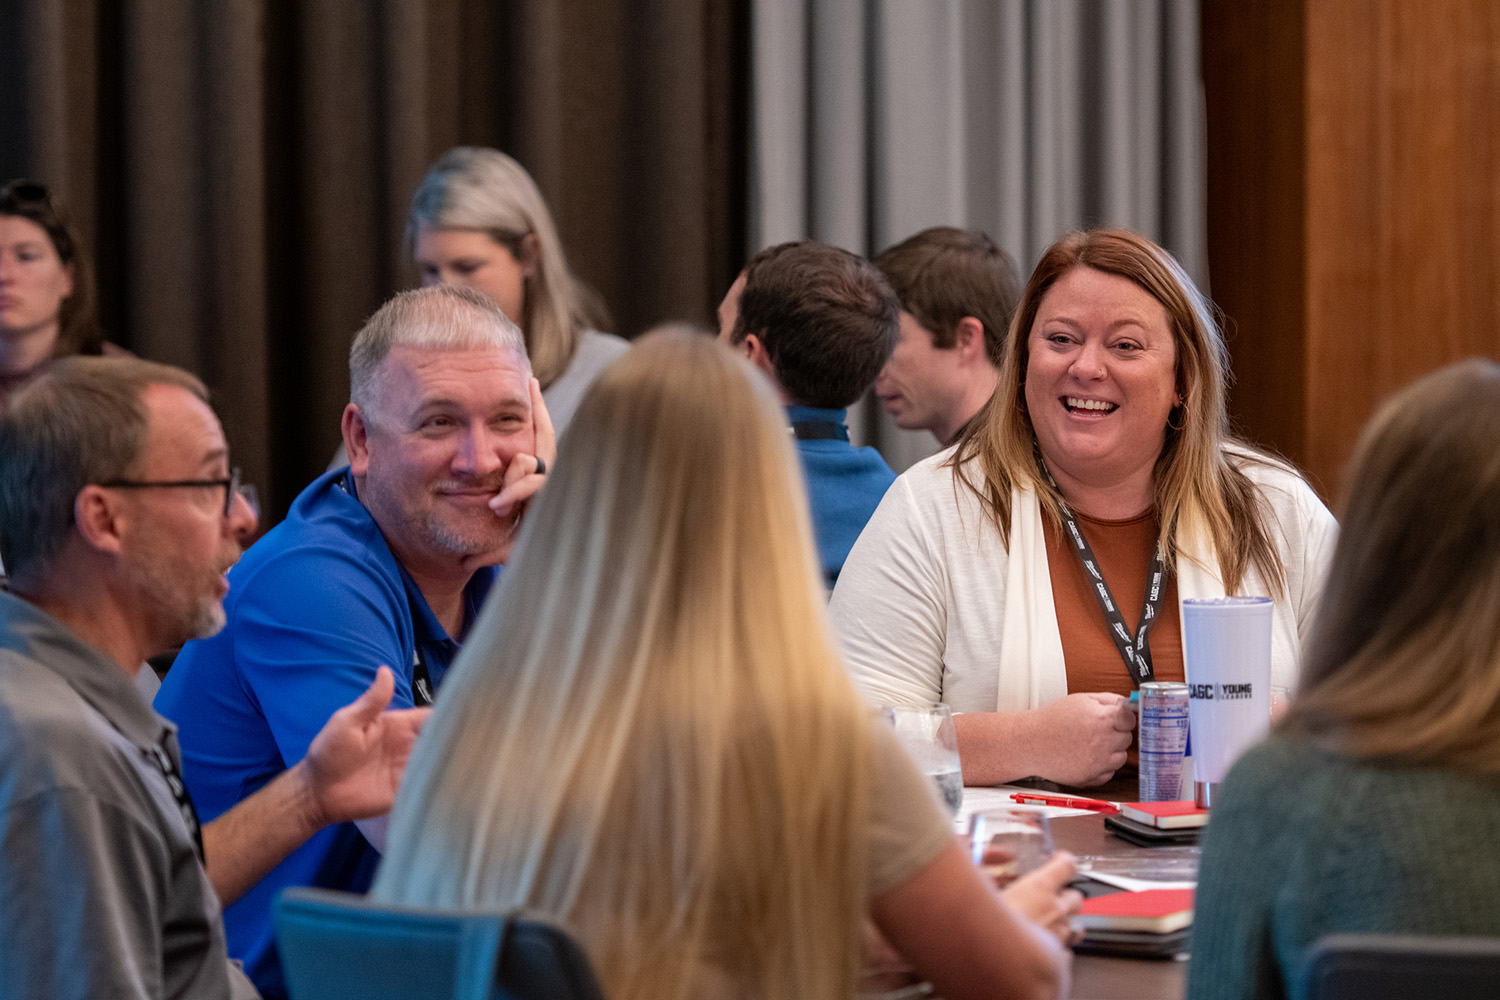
x: 1163, y: 739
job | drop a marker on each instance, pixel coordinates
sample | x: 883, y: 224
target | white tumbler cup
x: 1226, y: 651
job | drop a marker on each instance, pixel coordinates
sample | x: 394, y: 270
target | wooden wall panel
x: 1253, y: 57
x: 1398, y: 160
x: 1403, y: 218
x: 1344, y: 323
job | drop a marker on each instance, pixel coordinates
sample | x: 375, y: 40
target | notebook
x: 1144, y: 835
x: 1165, y: 815
x: 1152, y: 911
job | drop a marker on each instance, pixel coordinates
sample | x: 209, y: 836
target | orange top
x: 1123, y: 550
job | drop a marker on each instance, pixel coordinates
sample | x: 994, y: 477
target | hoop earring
x: 1176, y: 427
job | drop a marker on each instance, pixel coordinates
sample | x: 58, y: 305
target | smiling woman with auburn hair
x: 1108, y: 424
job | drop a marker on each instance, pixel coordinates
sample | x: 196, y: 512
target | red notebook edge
x: 1155, y: 910
x: 1166, y: 815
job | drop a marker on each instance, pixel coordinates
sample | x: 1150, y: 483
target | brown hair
x: 827, y: 318
x: 78, y: 323
x: 80, y: 421
x: 1199, y: 485
x: 943, y: 274
x: 1404, y: 659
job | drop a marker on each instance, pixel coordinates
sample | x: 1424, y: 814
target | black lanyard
x: 421, y: 680
x: 162, y: 758
x: 1134, y: 650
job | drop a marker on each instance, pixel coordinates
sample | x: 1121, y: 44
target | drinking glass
x: 929, y: 737
x: 1009, y: 843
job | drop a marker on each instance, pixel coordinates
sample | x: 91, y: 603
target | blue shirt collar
x: 794, y: 414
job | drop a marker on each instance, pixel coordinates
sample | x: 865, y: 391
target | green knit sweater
x: 1304, y: 843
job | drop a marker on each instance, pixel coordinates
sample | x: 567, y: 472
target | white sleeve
x: 888, y: 607
x: 1304, y: 533
x: 1307, y: 574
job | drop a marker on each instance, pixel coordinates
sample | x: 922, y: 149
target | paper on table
x: 1136, y: 884
x: 977, y: 798
x: 1166, y: 866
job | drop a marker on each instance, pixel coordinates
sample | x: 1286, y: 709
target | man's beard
x: 455, y: 534
x: 177, y: 614
x: 463, y: 542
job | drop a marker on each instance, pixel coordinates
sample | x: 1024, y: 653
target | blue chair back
x: 1401, y: 967
x: 339, y: 946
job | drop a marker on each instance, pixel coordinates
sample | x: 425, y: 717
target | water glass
x: 1009, y: 843
x: 928, y: 735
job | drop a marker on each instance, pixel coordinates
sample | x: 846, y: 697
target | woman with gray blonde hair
x: 477, y: 219
x: 1374, y: 807
x: 648, y: 734
x: 1030, y: 576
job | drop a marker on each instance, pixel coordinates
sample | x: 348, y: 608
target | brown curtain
x: 241, y: 168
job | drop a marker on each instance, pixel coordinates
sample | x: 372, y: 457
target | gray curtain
x: 873, y: 119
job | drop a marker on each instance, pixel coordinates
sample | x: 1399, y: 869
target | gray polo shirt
x: 102, y: 893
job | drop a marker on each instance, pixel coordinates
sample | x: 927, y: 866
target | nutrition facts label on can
x: 1163, y: 739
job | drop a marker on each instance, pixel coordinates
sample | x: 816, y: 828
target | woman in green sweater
x: 1375, y: 806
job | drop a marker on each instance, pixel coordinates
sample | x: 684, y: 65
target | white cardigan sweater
x: 930, y: 606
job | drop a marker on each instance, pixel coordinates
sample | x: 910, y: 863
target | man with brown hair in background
x: 820, y: 322
x: 958, y: 291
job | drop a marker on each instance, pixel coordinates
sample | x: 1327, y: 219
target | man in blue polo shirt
x: 384, y: 562
x: 820, y: 322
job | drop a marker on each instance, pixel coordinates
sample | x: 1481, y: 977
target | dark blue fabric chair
x: 1401, y: 967
x: 336, y: 945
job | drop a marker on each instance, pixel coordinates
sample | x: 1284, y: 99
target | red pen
x: 1064, y: 802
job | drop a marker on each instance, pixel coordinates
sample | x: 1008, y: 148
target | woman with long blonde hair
x: 648, y: 733
x: 1375, y: 805
x: 1030, y: 576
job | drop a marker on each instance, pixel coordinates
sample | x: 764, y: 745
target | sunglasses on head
x: 23, y: 190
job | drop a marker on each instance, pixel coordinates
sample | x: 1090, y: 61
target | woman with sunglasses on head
x: 648, y: 734
x: 47, y: 298
x: 46, y: 286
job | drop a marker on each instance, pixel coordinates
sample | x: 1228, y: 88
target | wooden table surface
x: 1096, y: 977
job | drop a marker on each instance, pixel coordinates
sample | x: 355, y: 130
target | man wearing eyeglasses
x: 386, y: 561
x: 119, y: 516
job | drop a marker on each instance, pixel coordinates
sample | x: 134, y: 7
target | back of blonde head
x: 647, y: 733
x: 1404, y: 659
x: 471, y: 187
